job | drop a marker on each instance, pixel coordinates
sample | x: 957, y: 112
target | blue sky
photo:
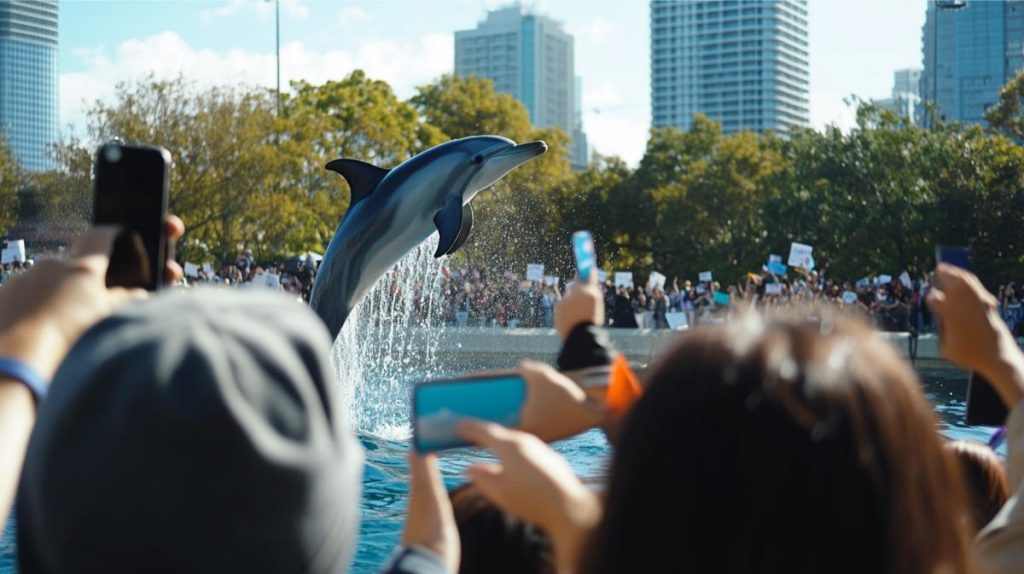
x: 855, y: 47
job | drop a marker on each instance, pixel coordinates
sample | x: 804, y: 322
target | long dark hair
x: 781, y: 445
x: 985, y: 477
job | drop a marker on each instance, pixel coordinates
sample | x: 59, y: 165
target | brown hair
x: 494, y: 542
x: 985, y: 477
x: 782, y: 445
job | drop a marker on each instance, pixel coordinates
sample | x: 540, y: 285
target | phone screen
x: 131, y: 191
x: 439, y: 405
x: 586, y: 258
x: 984, y: 407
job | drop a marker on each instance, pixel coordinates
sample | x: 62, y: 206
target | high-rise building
x: 906, y: 94
x: 28, y: 79
x: 971, y: 48
x: 530, y: 57
x: 743, y: 63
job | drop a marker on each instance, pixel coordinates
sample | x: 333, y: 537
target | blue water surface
x: 385, y: 478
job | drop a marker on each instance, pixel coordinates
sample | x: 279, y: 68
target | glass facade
x: 970, y: 51
x: 531, y: 58
x: 743, y: 63
x: 29, y: 79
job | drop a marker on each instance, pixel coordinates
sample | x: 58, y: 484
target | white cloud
x: 404, y: 63
x: 828, y: 108
x: 613, y: 125
x: 352, y: 15
x: 293, y: 9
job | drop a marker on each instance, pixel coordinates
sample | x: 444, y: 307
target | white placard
x: 676, y: 319
x: 849, y: 297
x: 602, y: 275
x: 705, y: 276
x: 700, y: 290
x: 550, y: 280
x: 624, y: 279
x: 208, y: 269
x: 864, y: 282
x: 656, y: 280
x: 774, y: 259
x: 15, y: 251
x: 535, y: 272
x: 884, y: 279
x: 905, y: 280
x: 773, y: 289
x: 191, y: 269
x: 800, y: 256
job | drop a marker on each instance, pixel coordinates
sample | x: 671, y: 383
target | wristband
x: 26, y: 375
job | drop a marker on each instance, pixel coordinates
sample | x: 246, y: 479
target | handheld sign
x: 676, y: 319
x: 800, y: 256
x: 884, y: 279
x: 535, y: 272
x: 905, y: 280
x: 705, y: 276
x: 721, y: 298
x: 550, y: 280
x: 777, y: 268
x: 191, y: 270
x: 656, y: 280
x: 602, y: 275
x: 624, y: 279
x: 849, y: 297
x: 773, y: 289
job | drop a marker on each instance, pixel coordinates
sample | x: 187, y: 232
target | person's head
x: 494, y: 542
x: 192, y: 433
x: 985, y: 477
x: 781, y: 445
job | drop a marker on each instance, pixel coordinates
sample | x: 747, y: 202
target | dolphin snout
x: 528, y: 150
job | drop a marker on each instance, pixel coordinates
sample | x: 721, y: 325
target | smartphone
x: 586, y: 258
x: 437, y: 406
x: 131, y: 191
x: 984, y: 407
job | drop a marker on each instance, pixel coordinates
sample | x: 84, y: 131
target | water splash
x: 387, y: 343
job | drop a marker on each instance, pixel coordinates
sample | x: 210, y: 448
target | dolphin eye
x: 478, y: 159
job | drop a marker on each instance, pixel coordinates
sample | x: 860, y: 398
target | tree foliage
x: 874, y: 199
x: 10, y: 185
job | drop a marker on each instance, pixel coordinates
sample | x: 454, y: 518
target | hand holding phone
x: 438, y: 406
x: 984, y: 406
x: 131, y: 192
x: 586, y: 257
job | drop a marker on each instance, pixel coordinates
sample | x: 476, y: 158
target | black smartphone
x: 131, y: 191
x: 984, y: 407
x: 437, y: 407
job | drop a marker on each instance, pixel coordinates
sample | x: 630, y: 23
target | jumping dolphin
x: 393, y: 211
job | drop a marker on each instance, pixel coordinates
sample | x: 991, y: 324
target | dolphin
x: 393, y: 211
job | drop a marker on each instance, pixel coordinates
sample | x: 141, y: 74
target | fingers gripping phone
x: 437, y: 407
x: 984, y: 407
x: 131, y: 192
x: 586, y: 257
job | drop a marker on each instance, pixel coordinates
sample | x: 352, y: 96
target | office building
x: 971, y: 48
x: 530, y: 57
x: 743, y: 63
x: 28, y: 79
x: 905, y: 100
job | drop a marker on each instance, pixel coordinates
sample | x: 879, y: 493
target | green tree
x: 10, y: 184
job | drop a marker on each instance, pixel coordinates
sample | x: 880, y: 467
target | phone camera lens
x: 112, y: 153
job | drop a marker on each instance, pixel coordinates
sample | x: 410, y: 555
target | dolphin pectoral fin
x: 362, y: 177
x: 449, y: 224
x: 467, y: 226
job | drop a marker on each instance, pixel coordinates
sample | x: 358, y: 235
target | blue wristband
x: 25, y: 374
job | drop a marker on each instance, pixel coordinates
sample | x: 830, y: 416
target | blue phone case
x: 437, y: 406
x: 583, y: 249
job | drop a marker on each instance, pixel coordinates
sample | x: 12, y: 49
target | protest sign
x: 550, y: 280
x: 800, y: 256
x: 773, y: 289
x: 191, y: 270
x: 656, y: 280
x: 777, y: 268
x: 849, y: 297
x: 624, y: 279
x: 208, y: 268
x: 721, y: 298
x: 884, y: 279
x: 676, y: 320
x: 535, y: 272
x: 905, y: 280
x: 774, y: 259
x: 700, y: 290
x: 15, y: 251
x: 864, y: 282
x: 705, y: 276
x: 602, y: 275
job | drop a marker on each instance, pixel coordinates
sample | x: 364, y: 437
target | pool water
x: 385, y: 477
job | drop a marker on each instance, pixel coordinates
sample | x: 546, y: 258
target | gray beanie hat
x: 195, y: 432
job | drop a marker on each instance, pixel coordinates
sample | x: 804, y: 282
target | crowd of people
x: 201, y: 433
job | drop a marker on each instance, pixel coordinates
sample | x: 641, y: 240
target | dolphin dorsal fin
x: 362, y: 177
